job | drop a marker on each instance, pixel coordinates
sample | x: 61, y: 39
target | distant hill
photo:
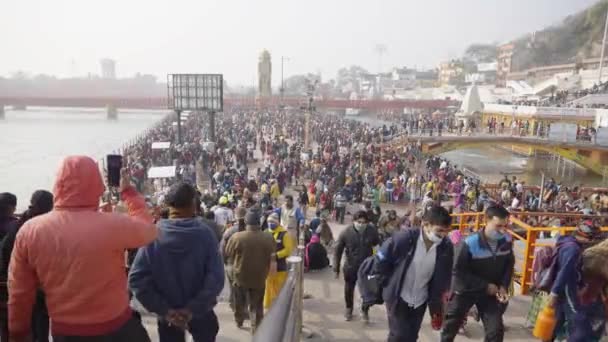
x: 578, y: 36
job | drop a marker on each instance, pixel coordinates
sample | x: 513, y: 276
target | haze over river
x: 33, y: 142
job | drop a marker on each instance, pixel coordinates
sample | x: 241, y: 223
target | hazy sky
x: 226, y: 36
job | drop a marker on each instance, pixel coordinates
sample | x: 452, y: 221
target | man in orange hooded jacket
x: 75, y: 255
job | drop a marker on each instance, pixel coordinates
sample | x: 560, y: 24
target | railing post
x: 299, y: 292
x: 461, y: 223
x: 526, y: 272
x: 477, y: 221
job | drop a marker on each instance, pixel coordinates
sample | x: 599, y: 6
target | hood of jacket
x: 78, y: 184
x: 178, y: 235
x: 563, y: 239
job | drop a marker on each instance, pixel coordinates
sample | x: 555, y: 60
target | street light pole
x: 310, y: 93
x: 603, y: 50
x: 179, y: 126
x: 283, y: 58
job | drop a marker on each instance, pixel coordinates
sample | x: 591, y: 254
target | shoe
x: 348, y: 315
x: 239, y: 324
x: 365, y: 315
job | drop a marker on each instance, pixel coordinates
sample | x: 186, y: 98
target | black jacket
x: 356, y: 246
x: 477, y: 265
x: 316, y: 257
x: 394, y: 258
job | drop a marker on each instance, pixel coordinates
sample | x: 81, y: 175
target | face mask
x: 434, y: 237
x: 272, y: 226
x: 495, y: 235
x: 359, y: 226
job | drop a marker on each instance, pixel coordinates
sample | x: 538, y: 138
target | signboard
x: 161, y: 172
x: 564, y: 111
x: 208, y: 146
x: 161, y: 145
x: 352, y: 111
x: 196, y: 92
x: 564, y: 132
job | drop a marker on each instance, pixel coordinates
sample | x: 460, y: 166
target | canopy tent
x: 161, y: 172
x: 161, y: 145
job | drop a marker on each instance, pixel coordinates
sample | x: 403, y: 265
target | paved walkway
x: 324, y: 315
x: 324, y: 311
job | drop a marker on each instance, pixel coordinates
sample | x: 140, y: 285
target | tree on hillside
x: 481, y: 53
x: 296, y: 85
x: 579, y: 35
x: 349, y: 77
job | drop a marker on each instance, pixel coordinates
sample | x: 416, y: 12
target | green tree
x: 481, y: 53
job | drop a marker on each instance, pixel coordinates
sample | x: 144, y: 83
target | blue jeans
x: 389, y: 196
x: 202, y: 329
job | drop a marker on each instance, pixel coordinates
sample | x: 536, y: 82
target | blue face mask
x: 495, y: 235
x: 272, y: 226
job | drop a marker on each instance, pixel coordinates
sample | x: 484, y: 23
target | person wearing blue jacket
x: 179, y: 276
x: 482, y: 274
x: 416, y: 268
x: 571, y: 314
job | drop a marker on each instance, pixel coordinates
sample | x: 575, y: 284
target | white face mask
x: 434, y: 237
x: 359, y: 226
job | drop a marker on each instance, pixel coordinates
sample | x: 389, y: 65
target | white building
x: 108, y: 68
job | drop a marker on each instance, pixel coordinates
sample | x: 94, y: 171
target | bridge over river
x: 584, y: 152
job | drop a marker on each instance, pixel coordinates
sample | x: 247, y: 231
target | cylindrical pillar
x: 179, y: 126
x: 212, y: 126
x: 296, y: 265
x: 2, y: 115
x: 300, y: 293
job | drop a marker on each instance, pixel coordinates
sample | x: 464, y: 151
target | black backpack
x: 369, y: 282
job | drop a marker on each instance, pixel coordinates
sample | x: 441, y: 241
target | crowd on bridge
x: 236, y: 209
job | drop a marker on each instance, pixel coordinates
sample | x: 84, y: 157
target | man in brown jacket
x: 251, y: 252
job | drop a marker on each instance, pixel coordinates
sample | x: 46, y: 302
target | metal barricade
x: 283, y: 322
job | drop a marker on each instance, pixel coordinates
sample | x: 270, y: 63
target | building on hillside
x: 265, y: 75
x: 369, y: 84
x: 451, y: 73
x: 503, y: 67
x: 108, y: 68
x: 403, y: 78
x: 543, y: 73
x: 426, y: 78
x: 486, y: 74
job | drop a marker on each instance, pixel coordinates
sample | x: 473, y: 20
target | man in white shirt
x: 222, y: 214
x: 416, y: 265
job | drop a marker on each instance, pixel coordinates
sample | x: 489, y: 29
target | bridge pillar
x: 111, y: 112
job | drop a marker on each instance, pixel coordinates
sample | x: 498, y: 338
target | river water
x: 33, y: 142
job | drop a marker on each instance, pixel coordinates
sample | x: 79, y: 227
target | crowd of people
x: 236, y: 209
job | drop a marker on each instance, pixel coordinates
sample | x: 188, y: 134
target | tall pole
x: 179, y: 126
x: 212, y: 126
x: 310, y: 93
x: 283, y: 58
x: 603, y: 50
